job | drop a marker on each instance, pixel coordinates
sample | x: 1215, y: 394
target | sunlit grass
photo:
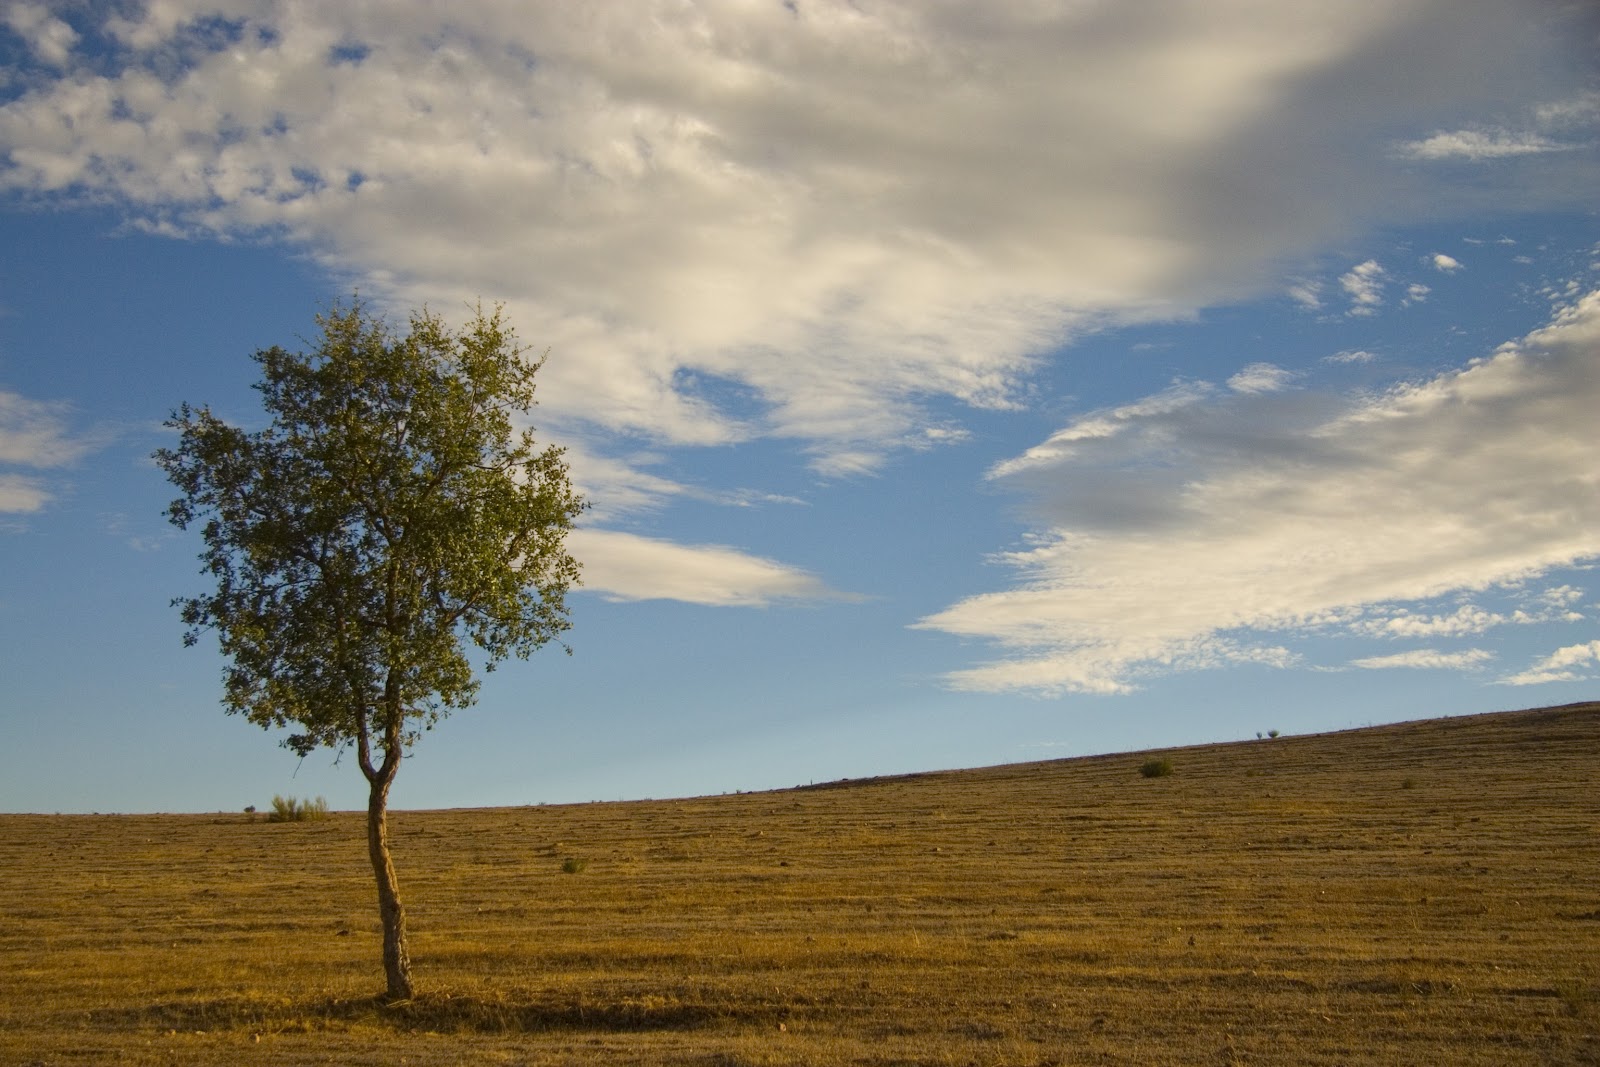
x: 1282, y: 903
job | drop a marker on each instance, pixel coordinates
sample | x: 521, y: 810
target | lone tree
x: 389, y: 514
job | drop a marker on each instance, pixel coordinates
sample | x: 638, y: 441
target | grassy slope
x: 1427, y: 893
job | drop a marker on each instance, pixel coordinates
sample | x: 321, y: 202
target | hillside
x: 1423, y: 893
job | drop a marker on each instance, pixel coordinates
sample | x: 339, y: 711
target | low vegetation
x: 1268, y: 904
x: 1156, y: 767
x: 288, y: 809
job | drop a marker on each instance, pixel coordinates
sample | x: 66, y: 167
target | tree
x: 389, y: 515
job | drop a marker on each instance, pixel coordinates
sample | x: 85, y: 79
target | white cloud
x: 1540, y: 134
x: 21, y: 495
x: 1351, y: 356
x: 1308, y: 294
x: 617, y: 487
x: 1442, y: 262
x: 1569, y: 664
x: 33, y: 434
x: 1175, y: 534
x: 1261, y: 378
x: 626, y: 566
x: 1427, y: 659
x: 1363, y: 283
x: 1476, y: 145
x: 1468, y: 619
x: 800, y: 221
x: 47, y: 37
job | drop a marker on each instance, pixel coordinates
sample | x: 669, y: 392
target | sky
x: 953, y: 384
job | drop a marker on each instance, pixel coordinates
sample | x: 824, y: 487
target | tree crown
x: 391, y: 513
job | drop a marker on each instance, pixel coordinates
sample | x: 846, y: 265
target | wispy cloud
x: 1427, y: 659
x: 1552, y: 126
x: 1479, y: 145
x: 1351, y: 356
x: 34, y: 434
x: 1261, y: 378
x: 1177, y: 535
x: 1570, y: 664
x: 21, y: 494
x: 1363, y: 284
x: 624, y: 566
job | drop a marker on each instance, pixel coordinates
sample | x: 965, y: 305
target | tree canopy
x: 390, y: 515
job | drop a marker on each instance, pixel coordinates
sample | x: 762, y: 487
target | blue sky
x: 953, y: 384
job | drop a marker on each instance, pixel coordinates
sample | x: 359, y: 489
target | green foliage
x: 573, y: 865
x: 1272, y: 734
x: 1156, y: 767
x: 389, y: 513
x: 288, y: 809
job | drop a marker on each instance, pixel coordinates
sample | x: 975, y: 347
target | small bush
x: 249, y: 809
x: 1272, y: 733
x: 1156, y: 768
x: 288, y: 809
x: 573, y: 865
x: 1409, y: 783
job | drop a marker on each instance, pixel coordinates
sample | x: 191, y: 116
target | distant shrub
x: 288, y: 809
x: 1156, y: 768
x: 573, y: 865
x: 1272, y: 733
x: 1409, y: 783
x: 249, y: 809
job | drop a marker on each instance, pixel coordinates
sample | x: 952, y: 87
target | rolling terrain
x: 1426, y: 893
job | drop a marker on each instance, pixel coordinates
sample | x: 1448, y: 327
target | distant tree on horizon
x: 388, y: 516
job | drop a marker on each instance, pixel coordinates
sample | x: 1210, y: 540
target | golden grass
x: 1427, y: 893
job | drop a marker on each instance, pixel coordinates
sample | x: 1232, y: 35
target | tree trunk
x: 396, y: 956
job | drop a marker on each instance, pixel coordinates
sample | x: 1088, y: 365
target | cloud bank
x: 1199, y: 526
x: 799, y: 220
x: 828, y: 223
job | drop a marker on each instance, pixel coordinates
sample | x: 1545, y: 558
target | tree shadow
x: 443, y: 1013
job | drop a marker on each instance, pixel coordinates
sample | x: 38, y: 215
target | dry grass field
x: 1421, y: 894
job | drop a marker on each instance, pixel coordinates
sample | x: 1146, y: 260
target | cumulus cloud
x: 1178, y: 533
x: 49, y: 38
x: 1427, y: 659
x: 1442, y: 262
x: 624, y: 566
x: 1569, y: 664
x: 802, y: 221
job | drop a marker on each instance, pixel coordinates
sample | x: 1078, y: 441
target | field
x: 1422, y: 894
